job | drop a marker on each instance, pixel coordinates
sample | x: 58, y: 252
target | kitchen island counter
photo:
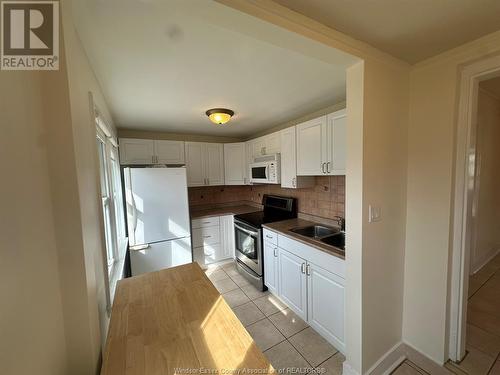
x: 175, y: 321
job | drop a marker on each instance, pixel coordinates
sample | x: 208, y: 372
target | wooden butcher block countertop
x: 174, y: 321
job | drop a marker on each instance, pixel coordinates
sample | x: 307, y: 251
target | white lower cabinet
x: 326, y: 304
x: 315, y: 293
x: 213, y: 239
x: 227, y: 236
x: 271, y: 266
x: 293, y: 282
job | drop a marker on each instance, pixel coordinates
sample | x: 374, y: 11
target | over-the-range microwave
x: 265, y: 169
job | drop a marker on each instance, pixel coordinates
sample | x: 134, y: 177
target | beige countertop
x: 175, y: 318
x: 219, y: 210
x: 283, y: 227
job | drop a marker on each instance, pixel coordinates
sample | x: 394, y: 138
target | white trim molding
x: 347, y: 369
x: 389, y: 361
x: 470, y: 76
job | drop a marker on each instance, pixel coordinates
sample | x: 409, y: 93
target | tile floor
x: 483, y: 322
x: 289, y: 342
x: 285, y: 339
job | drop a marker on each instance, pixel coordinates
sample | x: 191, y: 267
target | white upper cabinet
x: 321, y: 145
x: 310, y: 147
x: 214, y: 171
x: 272, y: 143
x: 169, y: 152
x: 148, y: 151
x: 195, y: 164
x: 337, y: 139
x: 289, y: 177
x: 266, y: 145
x: 235, y: 163
x: 204, y: 163
x: 136, y: 151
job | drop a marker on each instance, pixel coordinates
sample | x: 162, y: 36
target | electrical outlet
x: 374, y: 214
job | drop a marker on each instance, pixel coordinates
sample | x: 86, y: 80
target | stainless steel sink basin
x: 337, y: 240
x: 315, y: 231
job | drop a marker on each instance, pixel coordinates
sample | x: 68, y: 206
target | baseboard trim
x: 397, y: 355
x: 424, y: 362
x: 347, y: 369
x: 389, y: 361
x: 485, y: 262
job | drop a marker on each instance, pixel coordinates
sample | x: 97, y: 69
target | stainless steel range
x: 248, y: 235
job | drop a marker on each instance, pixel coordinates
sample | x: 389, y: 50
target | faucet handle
x: 341, y: 221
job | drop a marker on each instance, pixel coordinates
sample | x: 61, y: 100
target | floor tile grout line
x: 493, y: 364
x: 416, y: 367
x: 483, y: 284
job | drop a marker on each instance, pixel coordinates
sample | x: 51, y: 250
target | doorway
x: 474, y: 322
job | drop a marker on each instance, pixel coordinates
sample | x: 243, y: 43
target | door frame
x: 465, y: 154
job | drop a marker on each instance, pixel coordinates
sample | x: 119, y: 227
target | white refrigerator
x: 157, y: 218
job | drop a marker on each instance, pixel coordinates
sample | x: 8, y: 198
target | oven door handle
x: 246, y: 230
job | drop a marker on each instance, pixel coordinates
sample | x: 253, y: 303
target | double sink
x: 327, y: 235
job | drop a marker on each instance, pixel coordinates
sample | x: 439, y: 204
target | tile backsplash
x: 325, y: 199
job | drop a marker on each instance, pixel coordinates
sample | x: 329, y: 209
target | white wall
x: 433, y: 98
x: 32, y: 336
x: 486, y: 212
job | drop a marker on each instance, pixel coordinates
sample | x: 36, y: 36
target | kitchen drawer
x: 271, y: 237
x: 205, y: 222
x: 329, y: 262
x: 206, y: 236
x: 207, y: 254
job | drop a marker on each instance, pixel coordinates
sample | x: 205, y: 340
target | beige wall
x: 433, y: 96
x: 486, y: 212
x: 90, y: 332
x: 31, y: 313
x: 385, y: 121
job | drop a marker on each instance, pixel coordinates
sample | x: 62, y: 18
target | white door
x: 271, y: 266
x: 288, y: 158
x: 195, y: 164
x: 234, y: 163
x: 160, y: 255
x: 326, y: 304
x: 214, y: 167
x: 337, y: 140
x: 136, y: 151
x: 292, y: 282
x: 272, y: 143
x: 310, y: 147
x: 157, y: 204
x: 227, y: 237
x: 169, y: 152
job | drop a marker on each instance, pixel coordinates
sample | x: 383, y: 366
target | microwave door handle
x: 267, y: 172
x: 245, y: 230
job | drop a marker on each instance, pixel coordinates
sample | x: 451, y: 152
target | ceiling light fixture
x: 219, y: 115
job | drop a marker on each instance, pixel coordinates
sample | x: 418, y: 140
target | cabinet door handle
x: 293, y: 182
x: 208, y: 181
x: 323, y: 168
x: 207, y: 236
x: 303, y: 268
x: 328, y: 167
x: 152, y: 159
x: 275, y: 252
x: 308, y: 270
x: 268, y: 236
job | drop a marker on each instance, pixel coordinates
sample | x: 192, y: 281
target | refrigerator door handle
x: 139, y: 247
x: 134, y: 215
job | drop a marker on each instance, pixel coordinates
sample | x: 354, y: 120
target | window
x: 111, y: 197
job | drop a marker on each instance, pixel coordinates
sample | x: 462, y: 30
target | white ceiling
x: 162, y: 64
x: 412, y: 30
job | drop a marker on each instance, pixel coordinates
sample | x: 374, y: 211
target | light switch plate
x: 374, y: 214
